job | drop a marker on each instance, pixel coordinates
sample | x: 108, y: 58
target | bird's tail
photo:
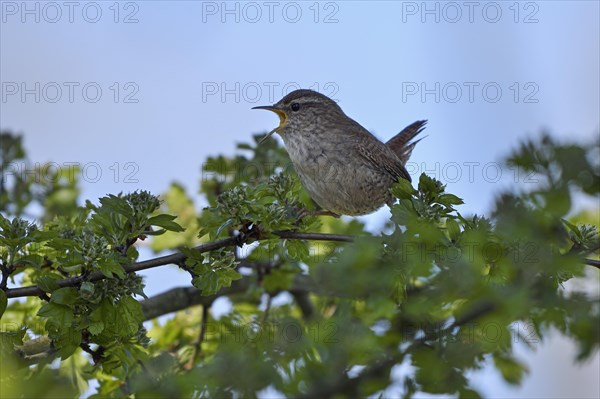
x: 401, y: 143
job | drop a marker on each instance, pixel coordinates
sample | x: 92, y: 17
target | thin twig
x: 293, y: 235
x: 176, y: 258
x: 95, y: 354
x: 592, y: 262
x: 267, y: 308
x: 6, y: 272
x: 201, y: 336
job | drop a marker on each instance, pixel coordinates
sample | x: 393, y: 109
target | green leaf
x: 9, y: 340
x: 122, y: 319
x: 31, y: 259
x: 41, y: 235
x: 453, y: 229
x: 104, y: 317
x: 155, y: 232
x: 67, y: 342
x: 96, y: 327
x: 192, y: 254
x: 113, y: 203
x: 87, y: 289
x: 226, y: 276
x: 65, y: 296
x: 468, y: 393
x: 297, y: 250
x: 403, y: 189
x: 139, y: 290
x: 449, y: 200
x: 60, y: 316
x: 574, y: 229
x: 130, y: 316
x: 61, y: 244
x: 429, y: 185
x: 166, y: 222
x: 48, y: 282
x: 512, y: 370
x: 104, y: 224
x: 199, y: 268
x: 244, y: 146
x: 4, y: 223
x: 109, y: 266
x: 208, y: 283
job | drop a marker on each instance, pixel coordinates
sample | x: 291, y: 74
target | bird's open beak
x: 282, y: 119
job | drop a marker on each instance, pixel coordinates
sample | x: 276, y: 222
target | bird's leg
x: 322, y: 212
x: 319, y: 212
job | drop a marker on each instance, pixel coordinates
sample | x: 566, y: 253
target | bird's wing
x: 376, y: 153
x: 401, y: 144
x: 383, y: 159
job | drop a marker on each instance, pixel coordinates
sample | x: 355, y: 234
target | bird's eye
x: 295, y: 106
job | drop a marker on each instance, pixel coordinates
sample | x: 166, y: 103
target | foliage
x: 439, y: 290
x: 51, y: 185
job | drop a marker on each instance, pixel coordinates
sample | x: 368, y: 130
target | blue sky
x: 158, y: 86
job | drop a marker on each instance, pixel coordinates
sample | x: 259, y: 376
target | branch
x: 293, y: 235
x: 181, y: 298
x: 6, y: 272
x: 34, y: 290
x: 176, y: 258
x: 349, y: 386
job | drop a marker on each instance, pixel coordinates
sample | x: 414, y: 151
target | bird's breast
x: 335, y: 177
